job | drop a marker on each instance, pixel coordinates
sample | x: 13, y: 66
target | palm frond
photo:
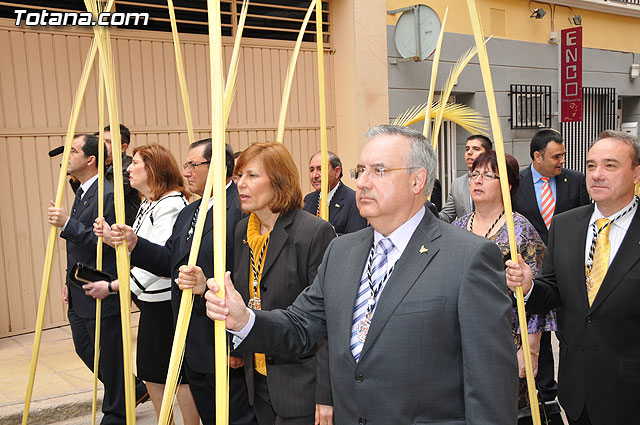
x: 462, y: 115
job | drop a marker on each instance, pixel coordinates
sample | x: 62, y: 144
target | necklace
x: 486, y: 235
x: 255, y: 302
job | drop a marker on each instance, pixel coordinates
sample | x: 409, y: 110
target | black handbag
x: 82, y: 273
x: 549, y: 414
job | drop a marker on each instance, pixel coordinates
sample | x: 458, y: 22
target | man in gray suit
x: 416, y: 312
x: 459, y: 200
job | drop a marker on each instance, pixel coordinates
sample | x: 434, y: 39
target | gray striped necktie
x: 370, y: 286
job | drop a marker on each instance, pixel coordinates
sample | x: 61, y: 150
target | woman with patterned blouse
x: 488, y: 220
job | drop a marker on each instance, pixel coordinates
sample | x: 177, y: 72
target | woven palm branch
x: 462, y: 115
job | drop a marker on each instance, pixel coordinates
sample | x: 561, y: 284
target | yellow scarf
x: 256, y: 241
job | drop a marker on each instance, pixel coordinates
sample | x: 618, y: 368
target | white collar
x: 623, y: 222
x: 86, y: 185
x: 331, y: 192
x: 401, y: 236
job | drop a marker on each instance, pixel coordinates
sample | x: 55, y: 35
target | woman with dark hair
x: 488, y: 220
x: 155, y: 174
x: 277, y: 251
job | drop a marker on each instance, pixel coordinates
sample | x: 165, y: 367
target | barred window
x: 530, y: 106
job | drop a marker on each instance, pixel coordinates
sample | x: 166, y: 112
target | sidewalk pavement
x: 63, y: 384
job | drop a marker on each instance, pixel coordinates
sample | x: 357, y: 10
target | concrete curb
x: 52, y: 410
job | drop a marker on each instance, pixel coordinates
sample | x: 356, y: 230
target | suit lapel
x: 356, y: 259
x: 86, y: 199
x: 562, y: 185
x: 466, y: 196
x: 405, y: 274
x: 579, y: 239
x: 208, y: 227
x: 530, y: 193
x: 278, y: 239
x: 336, y: 202
x: 628, y: 254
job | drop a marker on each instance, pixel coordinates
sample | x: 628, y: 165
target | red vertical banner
x: 571, y: 74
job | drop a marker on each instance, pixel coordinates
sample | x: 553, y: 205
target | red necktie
x: 548, y: 202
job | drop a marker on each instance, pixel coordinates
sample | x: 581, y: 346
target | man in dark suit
x: 167, y: 260
x: 343, y: 212
x: 567, y: 188
x: 547, y: 189
x: 591, y: 274
x: 77, y: 230
x: 416, y: 312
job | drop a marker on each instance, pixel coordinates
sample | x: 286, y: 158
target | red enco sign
x: 571, y: 74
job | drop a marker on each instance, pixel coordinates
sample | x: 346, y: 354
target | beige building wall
x: 361, y: 83
x: 39, y: 73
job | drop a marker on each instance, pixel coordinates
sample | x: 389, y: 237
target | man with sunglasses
x: 416, y: 312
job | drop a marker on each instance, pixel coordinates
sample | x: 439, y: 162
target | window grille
x: 598, y: 114
x: 530, y: 106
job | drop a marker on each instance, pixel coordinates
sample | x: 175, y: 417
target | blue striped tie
x: 377, y: 267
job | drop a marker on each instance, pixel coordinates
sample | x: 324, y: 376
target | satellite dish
x: 417, y: 32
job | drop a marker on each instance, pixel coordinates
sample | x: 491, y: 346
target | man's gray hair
x: 626, y: 138
x: 421, y: 153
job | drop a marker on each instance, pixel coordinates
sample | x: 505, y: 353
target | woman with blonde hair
x: 277, y: 251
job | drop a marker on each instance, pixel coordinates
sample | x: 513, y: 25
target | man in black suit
x: 567, y: 187
x: 167, y: 260
x: 77, y: 229
x: 343, y: 212
x: 591, y: 274
x: 547, y: 189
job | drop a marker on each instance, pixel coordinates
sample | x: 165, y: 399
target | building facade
x: 524, y: 66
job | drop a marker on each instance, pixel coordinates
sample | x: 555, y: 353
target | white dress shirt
x: 616, y: 233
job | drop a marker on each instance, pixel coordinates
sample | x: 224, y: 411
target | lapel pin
x: 337, y: 205
x: 423, y: 249
x: 85, y: 203
x: 565, y: 179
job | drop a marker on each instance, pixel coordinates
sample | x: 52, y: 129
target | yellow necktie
x: 600, y: 259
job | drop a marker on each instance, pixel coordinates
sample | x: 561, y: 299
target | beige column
x: 360, y: 70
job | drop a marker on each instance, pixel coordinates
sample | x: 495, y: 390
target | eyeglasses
x: 488, y: 175
x: 375, y: 173
x: 192, y: 165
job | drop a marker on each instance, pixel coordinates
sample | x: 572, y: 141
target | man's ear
x: 537, y: 157
x: 419, y: 181
x: 124, y: 147
x: 91, y: 160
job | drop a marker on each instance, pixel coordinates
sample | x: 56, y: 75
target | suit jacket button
x: 362, y: 420
x: 589, y: 319
x: 269, y: 360
x: 359, y: 379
